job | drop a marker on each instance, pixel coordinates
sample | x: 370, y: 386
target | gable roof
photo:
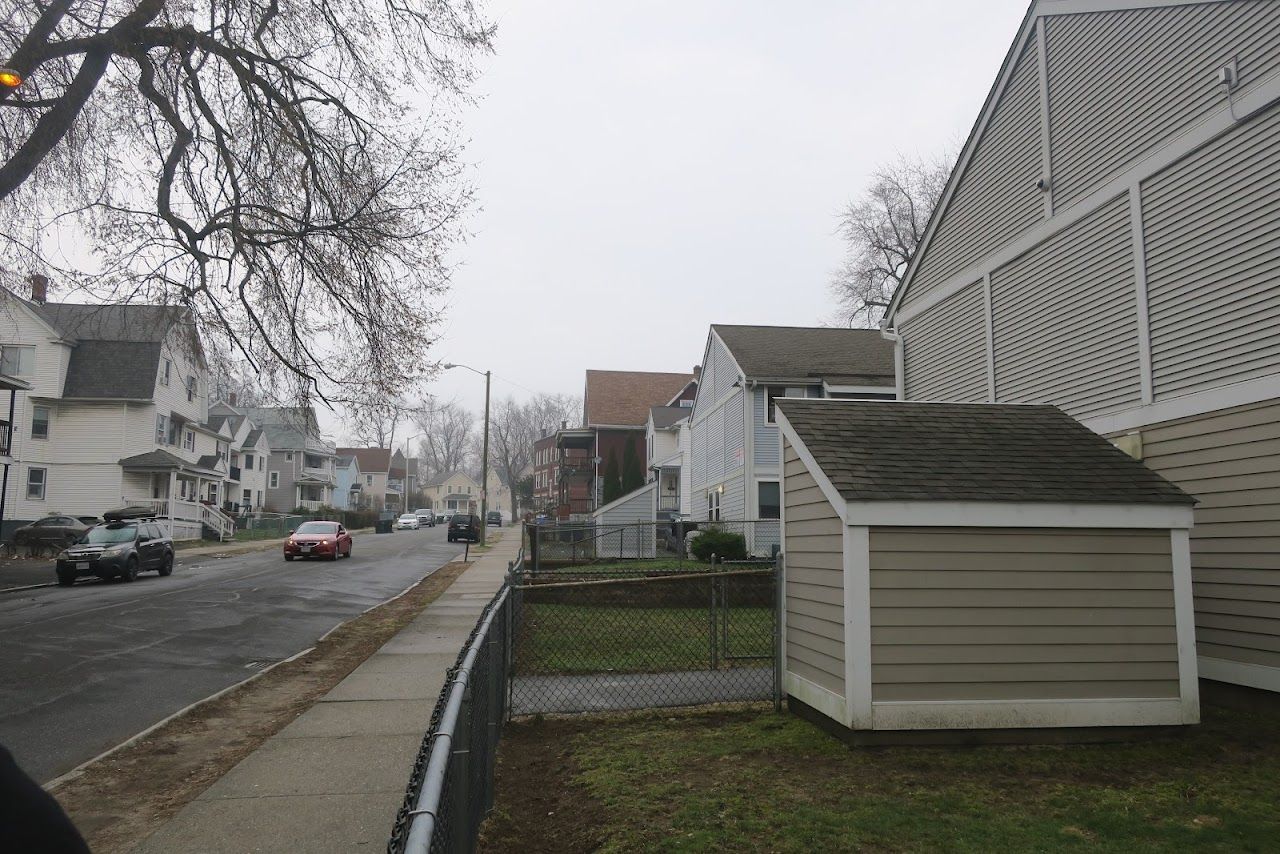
x: 668, y: 416
x: 623, y: 398
x: 894, y: 451
x: 111, y: 322
x: 441, y: 479
x: 287, y: 427
x: 112, y: 370
x: 251, y: 439
x: 851, y: 356
x: 372, y: 460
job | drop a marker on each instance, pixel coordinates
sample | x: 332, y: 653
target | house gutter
x: 889, y: 333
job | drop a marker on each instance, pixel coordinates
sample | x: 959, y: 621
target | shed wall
x: 1021, y: 614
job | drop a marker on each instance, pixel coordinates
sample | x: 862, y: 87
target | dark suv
x: 119, y: 548
x: 464, y: 527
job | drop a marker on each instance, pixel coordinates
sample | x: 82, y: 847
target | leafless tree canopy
x: 882, y: 230
x: 448, y: 431
x: 373, y: 424
x: 515, y: 426
x: 284, y: 169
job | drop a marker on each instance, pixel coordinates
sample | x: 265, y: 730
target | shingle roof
x: 667, y: 416
x: 112, y: 370
x: 784, y: 352
x: 623, y: 398
x: 371, y: 459
x: 286, y: 426
x: 159, y: 459
x: 252, y: 437
x: 111, y: 322
x: 893, y: 451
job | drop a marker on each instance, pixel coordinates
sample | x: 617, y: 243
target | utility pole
x: 484, y: 467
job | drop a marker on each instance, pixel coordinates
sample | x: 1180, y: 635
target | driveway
x: 84, y: 668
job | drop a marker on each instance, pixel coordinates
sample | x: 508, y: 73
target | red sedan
x: 318, y: 539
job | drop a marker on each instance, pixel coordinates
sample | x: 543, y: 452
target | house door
x: 213, y: 494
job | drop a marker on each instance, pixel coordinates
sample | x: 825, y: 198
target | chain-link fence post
x: 779, y: 602
x: 462, y: 806
x: 711, y: 619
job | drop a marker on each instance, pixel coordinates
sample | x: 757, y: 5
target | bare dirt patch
x: 123, y: 798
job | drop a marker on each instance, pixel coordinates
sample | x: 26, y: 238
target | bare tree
x: 372, y: 423
x: 448, y: 431
x: 515, y: 426
x: 288, y: 172
x: 882, y: 230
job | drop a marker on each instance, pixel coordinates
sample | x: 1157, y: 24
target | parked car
x: 493, y: 517
x: 318, y: 539
x: 464, y: 527
x: 51, y: 530
x: 426, y: 517
x: 117, y: 548
x: 408, y: 522
x: 441, y: 518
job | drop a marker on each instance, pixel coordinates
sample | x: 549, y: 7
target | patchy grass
x: 598, y: 639
x: 763, y: 782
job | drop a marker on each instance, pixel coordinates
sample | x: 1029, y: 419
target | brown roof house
x: 383, y: 476
x: 604, y: 458
x: 979, y: 567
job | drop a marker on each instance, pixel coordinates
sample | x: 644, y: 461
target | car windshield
x: 317, y: 528
x: 106, y: 534
x: 408, y: 516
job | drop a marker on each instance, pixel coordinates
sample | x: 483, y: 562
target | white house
x: 666, y: 439
x: 247, y: 469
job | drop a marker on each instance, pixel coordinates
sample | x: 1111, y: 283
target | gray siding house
x: 1109, y: 243
x: 952, y: 566
x: 301, y: 470
x: 733, y: 456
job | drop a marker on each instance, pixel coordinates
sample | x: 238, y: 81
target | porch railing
x: 188, y: 511
x: 310, y: 504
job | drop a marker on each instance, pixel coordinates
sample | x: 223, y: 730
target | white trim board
x: 828, y: 702
x: 857, y: 626
x: 1240, y: 673
x: 1184, y: 619
x: 1187, y: 406
x: 1013, y: 514
x: 1017, y: 714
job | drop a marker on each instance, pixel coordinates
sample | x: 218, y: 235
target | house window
x: 773, y: 392
x: 248, y: 461
x: 713, y: 505
x: 175, y: 430
x: 36, y: 479
x: 770, y: 503
x: 39, y: 422
x: 162, y: 429
x: 191, y: 388
x: 261, y: 463
x: 368, y: 480
x: 288, y: 456
x: 165, y: 372
x: 17, y: 361
x: 273, y: 480
x: 189, y: 441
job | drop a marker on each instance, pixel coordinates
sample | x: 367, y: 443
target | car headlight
x: 63, y: 555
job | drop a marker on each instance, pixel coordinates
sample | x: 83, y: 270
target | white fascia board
x: 742, y: 375
x: 1185, y: 621
x: 824, y: 483
x: 1018, y: 714
x: 1240, y: 673
x: 857, y: 626
x: 858, y: 389
x: 812, y: 694
x: 1049, y: 8
x: 1015, y: 514
x: 1187, y: 405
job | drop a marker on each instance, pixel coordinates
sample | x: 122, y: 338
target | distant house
x: 616, y: 408
x: 300, y: 471
x: 383, y: 473
x: 116, y: 412
x: 1107, y: 243
x: 734, y: 466
x: 348, y: 494
x: 247, y: 467
x: 667, y: 459
x: 546, y: 474
x: 453, y: 492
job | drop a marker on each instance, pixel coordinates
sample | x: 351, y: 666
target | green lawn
x: 755, y: 781
x: 595, y: 639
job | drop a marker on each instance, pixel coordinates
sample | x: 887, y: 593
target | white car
x: 408, y: 521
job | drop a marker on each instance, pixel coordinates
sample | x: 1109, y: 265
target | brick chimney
x: 697, y: 372
x: 39, y: 288
x: 231, y: 398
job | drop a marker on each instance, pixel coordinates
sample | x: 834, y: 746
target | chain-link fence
x: 596, y: 638
x: 450, y: 788
x: 665, y: 545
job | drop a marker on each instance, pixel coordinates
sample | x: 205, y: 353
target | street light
x: 484, y: 462
x: 404, y: 489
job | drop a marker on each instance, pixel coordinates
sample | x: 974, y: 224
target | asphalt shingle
x: 848, y: 356
x: 896, y: 451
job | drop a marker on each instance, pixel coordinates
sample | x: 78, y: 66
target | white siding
x: 625, y: 528
x: 996, y: 198
x: 945, y: 350
x: 1212, y: 229
x: 1121, y: 83
x: 764, y: 435
x: 733, y: 502
x: 734, y: 427
x: 723, y: 373
x: 715, y: 447
x: 1065, y: 321
x: 698, y: 455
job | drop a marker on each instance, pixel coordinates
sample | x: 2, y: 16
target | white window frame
x: 713, y: 504
x: 44, y: 482
x: 770, y: 410
x: 191, y: 388
x: 22, y: 349
x: 48, y: 421
x: 166, y: 372
x: 759, y: 514
x: 189, y: 441
x: 273, y: 480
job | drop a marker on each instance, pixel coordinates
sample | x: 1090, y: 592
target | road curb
x: 27, y: 587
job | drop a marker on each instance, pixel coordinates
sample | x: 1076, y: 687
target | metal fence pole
x: 779, y: 602
x: 711, y: 614
x: 460, y: 792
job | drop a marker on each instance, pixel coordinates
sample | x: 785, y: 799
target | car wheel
x: 335, y: 554
x: 349, y: 551
x: 288, y: 557
x: 166, y: 566
x: 131, y: 570
x: 66, y: 579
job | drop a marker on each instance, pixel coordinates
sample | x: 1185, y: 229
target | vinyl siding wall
x: 764, y: 436
x: 946, y: 350
x: 814, y: 546
x: 996, y: 198
x: 1122, y: 83
x: 618, y: 535
x: 1230, y: 460
x: 1212, y: 234
x: 1026, y: 614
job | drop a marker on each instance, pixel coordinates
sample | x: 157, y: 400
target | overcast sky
x: 646, y: 169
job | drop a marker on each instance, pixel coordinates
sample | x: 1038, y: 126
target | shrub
x: 725, y: 545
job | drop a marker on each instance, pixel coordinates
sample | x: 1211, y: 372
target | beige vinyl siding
x: 814, y: 546
x: 1065, y: 322
x: 996, y: 198
x: 1212, y: 233
x: 1021, y: 614
x: 945, y: 350
x: 1230, y: 460
x: 1121, y: 83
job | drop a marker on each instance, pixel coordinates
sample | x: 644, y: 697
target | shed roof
x: 895, y: 451
x: 623, y: 398
x: 784, y: 352
x: 668, y: 416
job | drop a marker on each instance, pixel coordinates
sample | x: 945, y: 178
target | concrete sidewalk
x: 334, y: 778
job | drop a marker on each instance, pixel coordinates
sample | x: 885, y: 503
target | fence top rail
x: 645, y: 579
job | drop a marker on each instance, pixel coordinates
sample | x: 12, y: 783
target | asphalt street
x: 84, y: 668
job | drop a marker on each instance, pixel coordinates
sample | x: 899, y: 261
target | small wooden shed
x: 979, y: 567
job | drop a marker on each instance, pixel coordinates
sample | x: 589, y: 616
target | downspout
x: 889, y: 333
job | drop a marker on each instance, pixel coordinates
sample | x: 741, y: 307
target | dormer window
x: 165, y: 371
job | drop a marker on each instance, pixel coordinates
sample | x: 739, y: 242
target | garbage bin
x: 384, y: 523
